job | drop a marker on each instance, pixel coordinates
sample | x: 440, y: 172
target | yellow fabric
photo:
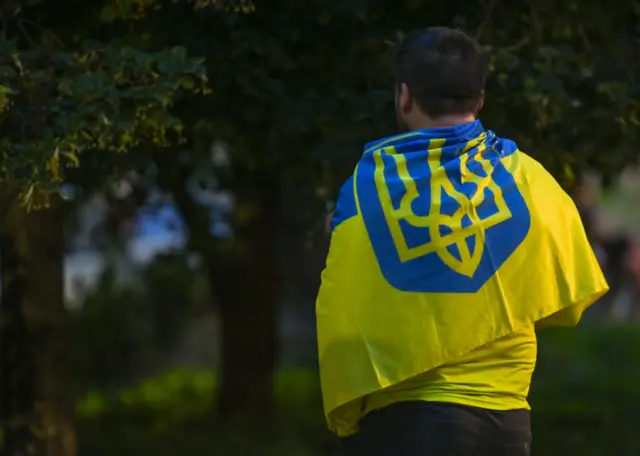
x: 496, y: 376
x: 372, y: 335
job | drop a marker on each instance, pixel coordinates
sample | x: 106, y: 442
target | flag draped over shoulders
x: 443, y: 240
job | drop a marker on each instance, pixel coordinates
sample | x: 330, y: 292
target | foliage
x: 564, y: 82
x: 586, y: 387
x: 111, y: 334
x: 138, y: 9
x: 172, y: 414
x: 188, y: 391
x: 583, y: 399
x: 60, y: 100
x: 296, y: 90
x: 294, y: 85
x: 122, y: 329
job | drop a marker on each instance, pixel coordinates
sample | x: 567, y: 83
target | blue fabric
x: 489, y: 245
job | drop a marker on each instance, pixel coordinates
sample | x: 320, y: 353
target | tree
x: 572, y: 67
x: 65, y: 100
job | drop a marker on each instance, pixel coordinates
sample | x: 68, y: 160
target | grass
x: 192, y: 391
x: 172, y: 414
x: 585, y: 399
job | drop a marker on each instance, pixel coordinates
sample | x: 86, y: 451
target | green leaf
x: 109, y: 13
x: 7, y: 72
x: 187, y: 83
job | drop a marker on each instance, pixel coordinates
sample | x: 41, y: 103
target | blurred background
x: 168, y: 169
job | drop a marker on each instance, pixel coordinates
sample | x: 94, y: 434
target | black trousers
x: 438, y: 429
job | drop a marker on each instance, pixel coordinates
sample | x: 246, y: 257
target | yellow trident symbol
x: 469, y: 261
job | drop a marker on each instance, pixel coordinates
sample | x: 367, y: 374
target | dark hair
x: 444, y: 69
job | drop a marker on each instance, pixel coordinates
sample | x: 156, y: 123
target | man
x: 449, y: 247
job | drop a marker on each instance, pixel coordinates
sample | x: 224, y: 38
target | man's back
x: 491, y: 384
x: 449, y: 246
x: 496, y: 376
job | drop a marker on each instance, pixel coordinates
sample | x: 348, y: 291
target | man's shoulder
x: 346, y: 205
x: 526, y: 168
x: 540, y: 188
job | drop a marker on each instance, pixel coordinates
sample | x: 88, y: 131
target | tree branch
x: 3, y: 24
x: 583, y: 36
x: 523, y: 42
x: 42, y: 29
x: 535, y: 21
x: 487, y: 19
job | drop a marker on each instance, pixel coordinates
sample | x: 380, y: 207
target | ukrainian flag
x: 443, y: 240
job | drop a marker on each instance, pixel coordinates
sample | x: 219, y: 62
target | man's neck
x: 443, y: 121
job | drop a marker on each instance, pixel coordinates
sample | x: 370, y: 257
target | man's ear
x: 405, y: 101
x: 481, y: 103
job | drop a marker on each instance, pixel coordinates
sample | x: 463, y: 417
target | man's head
x: 440, y: 74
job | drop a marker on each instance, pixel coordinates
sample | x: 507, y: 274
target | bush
x: 121, y: 330
x: 173, y: 414
x: 585, y: 395
x: 585, y: 402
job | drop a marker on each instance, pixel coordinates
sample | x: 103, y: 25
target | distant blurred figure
x: 634, y: 268
x: 618, y: 257
x: 615, y: 264
x: 585, y: 200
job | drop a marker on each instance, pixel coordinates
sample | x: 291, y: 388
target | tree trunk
x: 37, y: 396
x: 247, y: 287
